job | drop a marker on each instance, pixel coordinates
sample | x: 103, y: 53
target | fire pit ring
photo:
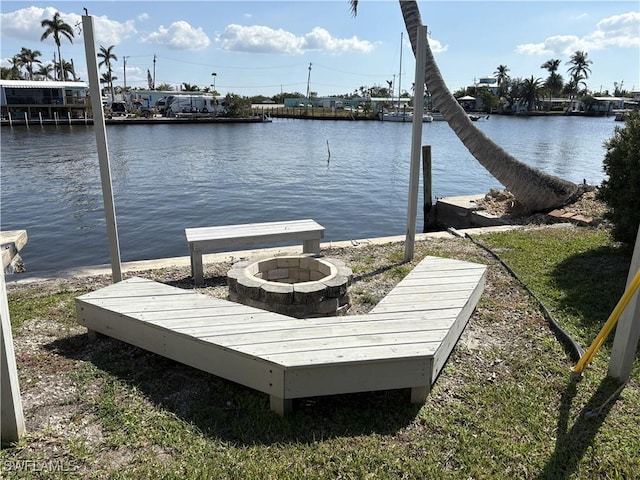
x: 300, y: 286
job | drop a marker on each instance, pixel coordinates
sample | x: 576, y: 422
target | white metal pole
x: 625, y: 342
x: 12, y: 425
x: 416, y: 143
x: 103, y: 150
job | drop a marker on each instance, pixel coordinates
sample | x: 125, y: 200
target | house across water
x: 49, y: 100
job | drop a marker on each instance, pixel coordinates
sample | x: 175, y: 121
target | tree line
x: 531, y: 92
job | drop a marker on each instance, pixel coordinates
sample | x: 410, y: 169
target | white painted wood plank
x: 347, y: 348
x: 418, y: 306
x: 358, y: 377
x: 419, y: 286
x: 302, y: 230
x: 257, y: 333
x: 377, y: 353
x: 449, y: 342
x: 253, y: 228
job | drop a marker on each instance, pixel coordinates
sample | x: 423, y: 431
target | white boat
x: 397, y: 117
x: 404, y: 117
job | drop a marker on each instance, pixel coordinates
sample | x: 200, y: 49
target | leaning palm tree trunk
x: 533, y: 188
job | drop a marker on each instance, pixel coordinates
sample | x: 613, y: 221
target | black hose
x: 575, y: 350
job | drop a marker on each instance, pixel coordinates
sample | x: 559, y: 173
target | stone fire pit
x: 300, y: 286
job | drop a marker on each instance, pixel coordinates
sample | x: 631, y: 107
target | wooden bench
x: 250, y: 234
x: 403, y: 343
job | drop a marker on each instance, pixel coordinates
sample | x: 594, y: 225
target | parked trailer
x: 190, y: 104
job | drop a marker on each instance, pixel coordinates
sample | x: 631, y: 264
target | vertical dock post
x: 416, y: 142
x: 103, y: 150
x: 427, y: 187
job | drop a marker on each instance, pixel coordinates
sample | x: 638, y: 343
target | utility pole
x: 124, y: 59
x: 154, y: 72
x: 308, y: 82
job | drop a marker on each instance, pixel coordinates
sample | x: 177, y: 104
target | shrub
x: 621, y: 191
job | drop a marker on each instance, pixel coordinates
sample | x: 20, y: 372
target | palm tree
x: 533, y: 188
x: 551, y: 65
x: 56, y: 27
x: 554, y: 81
x: 10, y: 73
x: 28, y: 57
x: 106, y: 54
x: 530, y: 92
x: 68, y: 70
x: 45, y: 72
x: 502, y: 76
x: 187, y: 87
x: 553, y: 84
x: 16, y: 65
x: 579, y: 70
x: 108, y: 78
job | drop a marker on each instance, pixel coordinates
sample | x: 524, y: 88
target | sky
x: 268, y: 47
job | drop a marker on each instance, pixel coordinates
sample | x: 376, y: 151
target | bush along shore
x: 504, y: 406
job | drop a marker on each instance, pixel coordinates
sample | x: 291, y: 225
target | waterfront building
x: 20, y: 99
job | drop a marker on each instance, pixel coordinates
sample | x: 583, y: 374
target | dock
x: 11, y: 243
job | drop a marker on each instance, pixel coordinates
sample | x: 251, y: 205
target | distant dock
x: 182, y: 120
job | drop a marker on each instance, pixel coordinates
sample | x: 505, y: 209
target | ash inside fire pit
x: 300, y: 286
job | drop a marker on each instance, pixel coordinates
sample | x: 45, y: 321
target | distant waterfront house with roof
x: 47, y: 99
x: 601, y: 106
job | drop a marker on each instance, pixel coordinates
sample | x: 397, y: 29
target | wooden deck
x: 403, y: 342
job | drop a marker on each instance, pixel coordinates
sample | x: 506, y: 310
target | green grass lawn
x: 504, y: 406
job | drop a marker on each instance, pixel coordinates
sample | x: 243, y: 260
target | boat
x: 406, y: 117
x: 397, y: 117
x: 621, y: 115
x: 475, y: 118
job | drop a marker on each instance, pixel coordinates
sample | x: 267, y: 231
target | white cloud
x: 262, y: 39
x: 143, y: 17
x: 621, y: 31
x: 558, y: 44
x: 25, y: 24
x: 259, y: 39
x: 321, y: 39
x: 179, y: 35
x: 436, y: 46
x: 618, y: 30
x: 110, y: 32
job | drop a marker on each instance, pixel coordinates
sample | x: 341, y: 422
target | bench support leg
x: 311, y: 246
x: 419, y: 394
x: 280, y: 406
x: 93, y: 335
x: 197, y: 271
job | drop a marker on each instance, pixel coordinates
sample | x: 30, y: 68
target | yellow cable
x: 608, y: 326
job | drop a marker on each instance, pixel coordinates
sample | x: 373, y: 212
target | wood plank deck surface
x: 402, y: 343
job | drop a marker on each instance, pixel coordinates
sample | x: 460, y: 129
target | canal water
x: 351, y: 177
